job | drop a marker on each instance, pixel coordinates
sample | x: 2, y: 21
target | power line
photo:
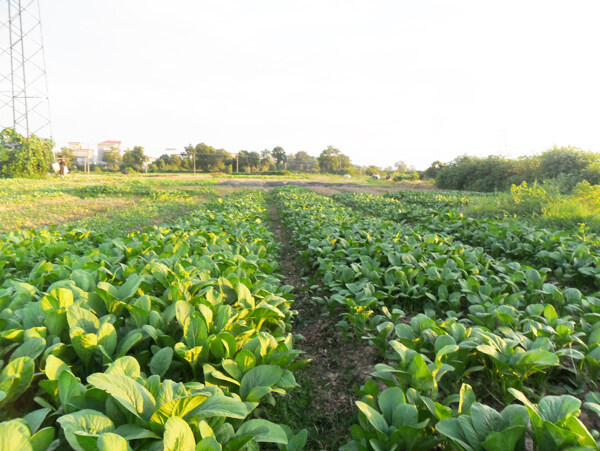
x: 24, y: 104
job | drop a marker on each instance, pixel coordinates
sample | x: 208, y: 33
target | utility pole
x: 194, y: 160
x: 24, y: 104
x: 87, y: 158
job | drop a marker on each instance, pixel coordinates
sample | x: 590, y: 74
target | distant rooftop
x: 110, y: 142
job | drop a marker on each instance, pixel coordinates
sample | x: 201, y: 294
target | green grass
x: 326, y: 430
x: 136, y: 216
x: 541, y: 207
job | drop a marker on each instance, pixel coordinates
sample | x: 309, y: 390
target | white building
x: 107, y: 146
x: 83, y: 153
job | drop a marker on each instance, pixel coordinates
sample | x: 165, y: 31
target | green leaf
x: 83, y: 279
x: 68, y: 388
x: 405, y: 415
x: 245, y: 360
x: 505, y: 440
x: 195, y: 331
x: 54, y: 367
x: 14, y: 435
x: 536, y: 360
x: 208, y: 444
x: 244, y: 297
x: 83, y: 318
x: 257, y: 393
x: 467, y: 398
x: 298, y: 441
x: 220, y: 406
x: 178, y: 436
x: 134, y: 432
x: 263, y: 431
x: 183, y: 310
x: 16, y: 377
x: 388, y: 400
x: 130, y: 287
x: 36, y: 418
x: 260, y: 376
x: 460, y: 431
x: 86, y: 420
x: 40, y: 441
x: 125, y: 366
x: 485, y: 420
x: 160, y: 363
x: 31, y: 348
x: 557, y: 408
x: 107, y: 337
x: 374, y: 417
x: 112, y: 442
x: 129, y: 393
x: 85, y: 345
x: 177, y: 407
x: 130, y: 340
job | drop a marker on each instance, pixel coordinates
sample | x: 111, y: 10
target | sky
x: 383, y: 81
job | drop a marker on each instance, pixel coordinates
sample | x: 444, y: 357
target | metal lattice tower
x: 24, y: 103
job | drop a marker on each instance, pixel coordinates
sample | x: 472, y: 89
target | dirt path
x: 325, y: 402
x: 327, y: 187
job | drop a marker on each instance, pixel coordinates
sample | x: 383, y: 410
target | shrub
x: 24, y: 157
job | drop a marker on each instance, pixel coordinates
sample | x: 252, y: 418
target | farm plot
x: 571, y: 258
x: 174, y: 338
x: 462, y: 336
x: 113, y: 206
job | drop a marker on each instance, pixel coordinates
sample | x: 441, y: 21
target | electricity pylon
x: 24, y: 104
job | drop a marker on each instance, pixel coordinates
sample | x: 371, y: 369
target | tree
x: 208, y: 159
x: 265, y: 159
x: 24, y: 157
x: 432, y: 171
x: 168, y: 162
x: 254, y: 160
x: 112, y: 158
x: 134, y: 159
x: 280, y: 156
x: 66, y: 153
x: 401, y: 166
x: 302, y: 162
x: 332, y: 160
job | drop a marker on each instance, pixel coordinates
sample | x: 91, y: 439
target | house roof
x: 110, y: 142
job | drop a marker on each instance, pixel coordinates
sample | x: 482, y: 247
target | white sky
x: 383, y: 81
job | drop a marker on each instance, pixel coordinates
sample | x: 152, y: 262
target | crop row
x: 453, y: 325
x: 172, y: 339
x: 572, y: 258
x: 437, y: 200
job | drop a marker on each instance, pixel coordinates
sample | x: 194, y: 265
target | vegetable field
x: 181, y: 337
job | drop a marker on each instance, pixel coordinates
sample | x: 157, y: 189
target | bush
x: 24, y: 157
x: 564, y: 166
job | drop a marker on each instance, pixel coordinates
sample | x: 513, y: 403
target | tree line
x: 563, y: 167
x: 205, y: 158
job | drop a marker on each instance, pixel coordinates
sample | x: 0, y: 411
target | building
x: 107, y: 146
x: 83, y: 153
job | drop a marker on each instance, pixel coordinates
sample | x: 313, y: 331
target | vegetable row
x: 176, y: 338
x: 453, y: 326
x: 572, y: 258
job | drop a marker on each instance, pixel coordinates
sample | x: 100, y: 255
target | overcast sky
x: 383, y: 81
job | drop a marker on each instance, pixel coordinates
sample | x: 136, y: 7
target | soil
x: 325, y: 187
x: 338, y: 365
